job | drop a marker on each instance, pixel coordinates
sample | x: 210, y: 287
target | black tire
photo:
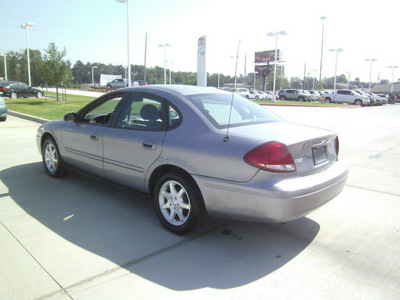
x: 358, y: 102
x: 52, y: 161
x: 178, y: 202
x: 39, y: 95
x: 327, y: 100
x: 13, y: 95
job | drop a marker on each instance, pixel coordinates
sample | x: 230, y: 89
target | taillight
x: 2, y: 89
x: 272, y: 156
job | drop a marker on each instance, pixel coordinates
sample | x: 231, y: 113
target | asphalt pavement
x: 81, y: 238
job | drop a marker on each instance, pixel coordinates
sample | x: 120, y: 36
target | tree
x: 55, y: 70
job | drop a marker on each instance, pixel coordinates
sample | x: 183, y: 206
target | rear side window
x: 142, y: 112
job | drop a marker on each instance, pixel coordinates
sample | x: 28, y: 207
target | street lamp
x: 338, y: 50
x: 322, y: 47
x: 128, y: 39
x: 93, y: 67
x: 391, y: 86
x: 165, y: 70
x: 26, y: 26
x: 371, y: 60
x: 270, y: 34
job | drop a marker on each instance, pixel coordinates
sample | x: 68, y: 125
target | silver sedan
x: 198, y: 150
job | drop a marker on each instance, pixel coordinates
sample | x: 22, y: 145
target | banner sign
x: 265, y: 56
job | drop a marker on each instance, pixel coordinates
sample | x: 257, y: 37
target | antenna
x: 226, y: 139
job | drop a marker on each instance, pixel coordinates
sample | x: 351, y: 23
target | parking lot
x: 82, y: 238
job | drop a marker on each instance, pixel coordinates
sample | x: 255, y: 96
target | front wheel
x: 178, y: 202
x: 358, y: 102
x: 52, y: 162
x: 13, y: 95
x: 39, y: 95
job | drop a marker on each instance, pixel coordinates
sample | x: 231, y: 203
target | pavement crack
x: 39, y: 264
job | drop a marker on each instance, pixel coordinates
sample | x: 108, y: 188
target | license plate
x: 319, y: 155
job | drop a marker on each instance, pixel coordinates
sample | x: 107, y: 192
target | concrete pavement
x: 81, y: 238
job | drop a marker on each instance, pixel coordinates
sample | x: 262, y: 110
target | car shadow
x: 121, y: 226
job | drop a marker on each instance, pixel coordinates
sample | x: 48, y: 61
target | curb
x: 27, y: 117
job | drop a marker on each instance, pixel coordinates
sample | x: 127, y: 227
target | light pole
x: 322, y: 47
x: 165, y: 70
x: 371, y: 60
x: 313, y: 72
x: 170, y: 66
x: 270, y: 34
x: 391, y: 86
x: 128, y: 38
x: 93, y: 67
x: 5, y: 66
x: 26, y: 26
x: 338, y: 50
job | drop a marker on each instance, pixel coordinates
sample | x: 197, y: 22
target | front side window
x: 218, y: 107
x: 101, y: 113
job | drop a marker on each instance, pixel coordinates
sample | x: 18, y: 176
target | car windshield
x: 217, y: 107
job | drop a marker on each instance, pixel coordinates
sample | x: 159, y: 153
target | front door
x: 83, y: 140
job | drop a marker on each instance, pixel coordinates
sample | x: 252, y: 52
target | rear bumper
x: 271, y: 200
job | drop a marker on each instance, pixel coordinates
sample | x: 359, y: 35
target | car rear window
x: 218, y: 107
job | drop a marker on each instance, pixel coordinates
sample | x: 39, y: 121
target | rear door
x: 135, y: 141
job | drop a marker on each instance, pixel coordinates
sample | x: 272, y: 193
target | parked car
x: 347, y: 96
x: 3, y: 110
x: 372, y: 100
x: 196, y: 150
x: 16, y: 89
x: 243, y: 92
x: 117, y: 83
x: 267, y: 96
x: 292, y: 94
x: 378, y: 99
x: 315, y: 95
x: 139, y: 82
x: 256, y: 95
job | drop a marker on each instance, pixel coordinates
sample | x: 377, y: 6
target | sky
x: 96, y: 31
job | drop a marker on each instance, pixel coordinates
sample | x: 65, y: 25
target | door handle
x: 94, y: 137
x: 149, y: 145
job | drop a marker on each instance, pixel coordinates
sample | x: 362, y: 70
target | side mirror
x: 71, y: 117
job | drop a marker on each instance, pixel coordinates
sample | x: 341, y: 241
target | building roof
x: 385, y: 88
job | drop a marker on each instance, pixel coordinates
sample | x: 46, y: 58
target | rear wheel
x: 358, y: 102
x: 178, y: 202
x: 327, y: 100
x: 13, y: 95
x: 52, y: 162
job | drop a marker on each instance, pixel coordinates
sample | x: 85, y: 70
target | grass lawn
x: 47, y: 108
